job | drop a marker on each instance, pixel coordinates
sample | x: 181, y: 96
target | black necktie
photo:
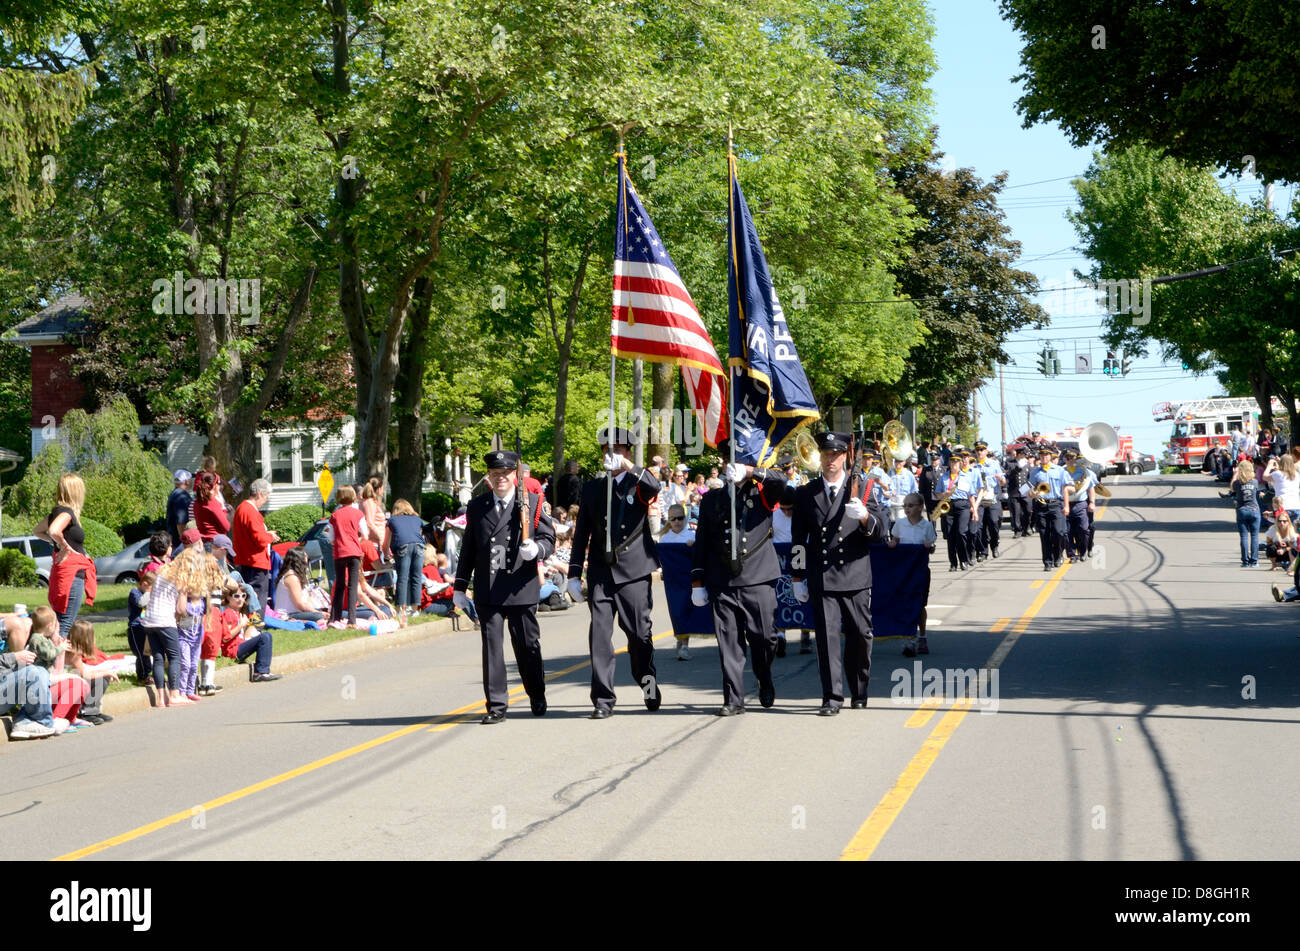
x: 832, y: 495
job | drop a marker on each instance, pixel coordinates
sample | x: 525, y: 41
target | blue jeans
x: 1248, y: 529
x: 76, y: 597
x: 262, y: 646
x: 410, y: 566
x: 548, y: 589
x: 29, y: 688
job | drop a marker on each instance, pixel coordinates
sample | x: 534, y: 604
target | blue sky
x: 979, y: 128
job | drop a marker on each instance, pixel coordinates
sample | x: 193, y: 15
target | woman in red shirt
x: 209, y: 508
x: 345, y: 523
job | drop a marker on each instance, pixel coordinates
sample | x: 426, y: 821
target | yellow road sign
x: 325, y: 483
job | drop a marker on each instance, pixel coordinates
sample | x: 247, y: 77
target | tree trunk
x: 663, y: 378
x: 408, y: 469
x: 563, y: 341
x: 1259, y: 387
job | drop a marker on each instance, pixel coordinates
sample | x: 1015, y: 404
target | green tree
x: 1211, y: 83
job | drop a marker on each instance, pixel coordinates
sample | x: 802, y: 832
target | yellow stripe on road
x: 882, y: 817
x: 443, y: 722
x: 921, y: 717
x: 1036, y: 583
x: 1002, y: 622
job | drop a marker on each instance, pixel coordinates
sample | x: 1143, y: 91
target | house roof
x: 67, y: 315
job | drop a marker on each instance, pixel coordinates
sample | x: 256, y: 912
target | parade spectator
x: 568, y: 486
x: 404, y: 543
x: 209, y: 507
x: 346, y: 525
x: 435, y: 590
x: 223, y: 550
x: 178, y: 505
x: 292, y: 597
x: 372, y: 510
x: 72, y: 576
x: 1245, y: 493
x: 1281, y: 471
x: 25, y: 685
x: 86, y: 660
x: 135, y: 635
x: 915, y: 529
x: 160, y: 550
x: 191, y: 576
x: 1281, y: 542
x: 239, y: 638
x: 251, y: 540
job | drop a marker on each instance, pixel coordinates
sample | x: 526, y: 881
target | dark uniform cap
x: 833, y: 442
x: 786, y: 461
x: 981, y: 445
x: 622, y: 437
x: 501, y: 459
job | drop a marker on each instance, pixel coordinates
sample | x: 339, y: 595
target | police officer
x: 994, y: 482
x: 506, y: 586
x: 830, y: 563
x: 1080, y: 503
x: 742, y: 589
x: 1049, y: 513
x: 618, y: 573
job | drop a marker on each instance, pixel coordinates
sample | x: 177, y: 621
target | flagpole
x: 620, y: 159
x: 731, y: 383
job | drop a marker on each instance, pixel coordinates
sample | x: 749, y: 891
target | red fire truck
x: 1199, y: 425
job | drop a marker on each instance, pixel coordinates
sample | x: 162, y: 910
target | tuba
x: 897, y: 443
x: 1098, y: 443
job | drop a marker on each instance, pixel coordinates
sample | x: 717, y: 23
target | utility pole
x: 1029, y: 409
x: 1002, y: 393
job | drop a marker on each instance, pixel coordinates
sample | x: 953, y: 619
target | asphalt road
x: 1146, y: 708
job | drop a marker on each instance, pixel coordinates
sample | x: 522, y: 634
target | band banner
x: 689, y: 619
x: 900, y: 583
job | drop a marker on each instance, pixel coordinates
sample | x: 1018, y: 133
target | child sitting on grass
x: 239, y: 637
x: 82, y: 656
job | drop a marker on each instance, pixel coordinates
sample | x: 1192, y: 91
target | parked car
x: 1149, y: 463
x: 40, y: 551
x: 313, y: 533
x: 122, y: 568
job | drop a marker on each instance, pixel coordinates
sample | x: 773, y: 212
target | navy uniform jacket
x: 834, y: 547
x: 490, y: 549
x: 711, y: 554
x: 635, y: 548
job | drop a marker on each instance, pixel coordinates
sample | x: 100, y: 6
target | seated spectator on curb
x: 291, y: 595
x: 23, y: 684
x: 435, y: 591
x: 239, y: 638
x: 1281, y: 542
x: 84, y: 658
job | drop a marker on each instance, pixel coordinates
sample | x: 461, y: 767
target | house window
x: 282, y: 460
x: 307, y: 446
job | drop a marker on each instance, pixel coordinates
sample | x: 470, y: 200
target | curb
x: 236, y: 675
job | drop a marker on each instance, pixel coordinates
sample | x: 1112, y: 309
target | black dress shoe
x: 601, y: 713
x: 491, y: 718
x: 1059, y: 562
x: 539, y: 708
x: 780, y: 647
x: 995, y: 553
x: 767, y: 695
x: 952, y: 567
x: 264, y: 678
x: 858, y: 705
x: 730, y: 710
x: 97, y: 718
x: 1047, y: 566
x: 653, y: 705
x: 828, y: 711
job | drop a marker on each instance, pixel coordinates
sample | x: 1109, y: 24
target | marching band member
x: 902, y: 483
x: 742, y: 592
x: 830, y: 563
x: 990, y: 512
x: 1049, y: 514
x: 960, y: 488
x: 506, y: 584
x: 618, y: 580
x: 1080, y: 503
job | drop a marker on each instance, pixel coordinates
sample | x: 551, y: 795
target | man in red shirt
x: 251, y: 539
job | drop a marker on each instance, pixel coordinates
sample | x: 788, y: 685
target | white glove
x: 529, y: 550
x: 575, y: 589
x: 615, y: 462
x: 699, y: 597
x: 736, y: 472
x: 801, y: 592
x: 461, y: 600
x: 855, y: 510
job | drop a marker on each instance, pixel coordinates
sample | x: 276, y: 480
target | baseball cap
x: 182, y: 475
x: 190, y: 536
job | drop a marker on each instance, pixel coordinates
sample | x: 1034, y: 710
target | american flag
x: 654, y: 316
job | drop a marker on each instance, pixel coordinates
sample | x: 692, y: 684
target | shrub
x: 111, y: 502
x: 434, y: 505
x: 100, y: 539
x: 17, y: 570
x: 292, y: 521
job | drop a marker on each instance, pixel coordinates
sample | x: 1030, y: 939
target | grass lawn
x: 108, y: 597
x: 110, y: 637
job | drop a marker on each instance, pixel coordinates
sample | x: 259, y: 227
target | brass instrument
x: 1098, y: 443
x: 1103, y: 491
x: 1041, y: 491
x: 805, y: 453
x: 943, y: 507
x: 896, y: 444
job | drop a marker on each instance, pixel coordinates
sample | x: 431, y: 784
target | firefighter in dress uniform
x: 506, y: 585
x: 618, y: 574
x: 830, y: 564
x: 742, y: 591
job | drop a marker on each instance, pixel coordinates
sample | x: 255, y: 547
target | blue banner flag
x: 675, y: 560
x: 771, y: 395
x: 900, y: 585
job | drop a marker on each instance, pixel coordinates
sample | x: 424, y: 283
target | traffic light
x: 1126, y: 365
x: 1044, y: 366
x: 1054, y: 362
x: 1110, y: 366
